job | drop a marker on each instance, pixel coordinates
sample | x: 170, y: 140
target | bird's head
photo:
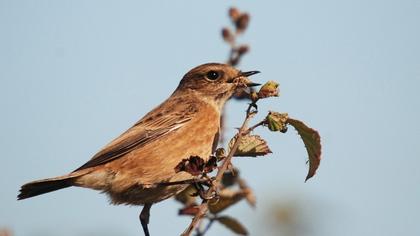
x: 215, y: 81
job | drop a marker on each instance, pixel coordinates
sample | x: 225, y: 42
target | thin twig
x: 203, y: 207
x: 250, y: 129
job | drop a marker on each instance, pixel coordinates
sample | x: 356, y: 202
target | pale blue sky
x: 75, y: 74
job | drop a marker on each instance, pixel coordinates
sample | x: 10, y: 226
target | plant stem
x: 203, y: 207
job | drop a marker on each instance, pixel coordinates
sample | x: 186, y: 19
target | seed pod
x: 243, y: 49
x: 227, y: 35
x: 242, y: 22
x: 234, y: 14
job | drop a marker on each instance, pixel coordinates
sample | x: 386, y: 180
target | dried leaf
x: 232, y: 224
x: 269, y: 89
x: 210, y: 165
x: 189, y: 210
x: 251, y: 146
x: 277, y: 121
x: 226, y: 199
x: 193, y: 165
x: 196, y: 165
x: 312, y: 141
x: 220, y: 154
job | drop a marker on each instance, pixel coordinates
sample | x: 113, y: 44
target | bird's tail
x: 42, y: 186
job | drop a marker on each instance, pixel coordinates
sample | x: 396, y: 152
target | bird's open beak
x: 249, y: 73
x: 249, y: 83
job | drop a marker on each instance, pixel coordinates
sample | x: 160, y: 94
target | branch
x: 203, y: 207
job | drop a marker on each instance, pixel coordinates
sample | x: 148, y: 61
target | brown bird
x: 186, y: 124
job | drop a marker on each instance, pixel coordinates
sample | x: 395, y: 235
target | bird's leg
x: 203, y: 192
x: 200, y: 190
x: 144, y: 218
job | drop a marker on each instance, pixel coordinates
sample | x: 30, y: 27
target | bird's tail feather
x: 39, y: 187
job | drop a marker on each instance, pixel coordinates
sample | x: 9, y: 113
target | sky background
x: 75, y: 74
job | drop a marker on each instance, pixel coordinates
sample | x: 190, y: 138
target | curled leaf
x: 250, y: 146
x: 232, y: 224
x: 277, y: 121
x: 220, y: 154
x: 189, y: 210
x: 196, y: 165
x: 312, y: 141
x: 210, y: 165
x: 269, y: 89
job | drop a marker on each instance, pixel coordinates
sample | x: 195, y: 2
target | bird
x: 186, y: 124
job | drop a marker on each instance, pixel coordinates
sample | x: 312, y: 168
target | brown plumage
x: 186, y: 124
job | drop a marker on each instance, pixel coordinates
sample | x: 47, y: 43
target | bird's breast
x: 156, y: 161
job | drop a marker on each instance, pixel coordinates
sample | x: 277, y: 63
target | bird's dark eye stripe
x: 212, y: 75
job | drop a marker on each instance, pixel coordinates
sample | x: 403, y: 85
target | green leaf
x: 312, y: 141
x: 232, y: 224
x: 250, y: 146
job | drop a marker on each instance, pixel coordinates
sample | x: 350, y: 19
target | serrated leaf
x: 233, y: 224
x: 226, y: 199
x: 250, y: 146
x: 312, y: 141
x: 276, y: 121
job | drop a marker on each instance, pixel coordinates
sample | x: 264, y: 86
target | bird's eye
x: 212, y: 75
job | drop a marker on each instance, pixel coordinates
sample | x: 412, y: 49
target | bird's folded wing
x: 148, y: 129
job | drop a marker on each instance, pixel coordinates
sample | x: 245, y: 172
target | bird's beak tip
x: 249, y: 73
x: 252, y: 84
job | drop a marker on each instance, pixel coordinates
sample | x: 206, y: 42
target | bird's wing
x: 153, y: 126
